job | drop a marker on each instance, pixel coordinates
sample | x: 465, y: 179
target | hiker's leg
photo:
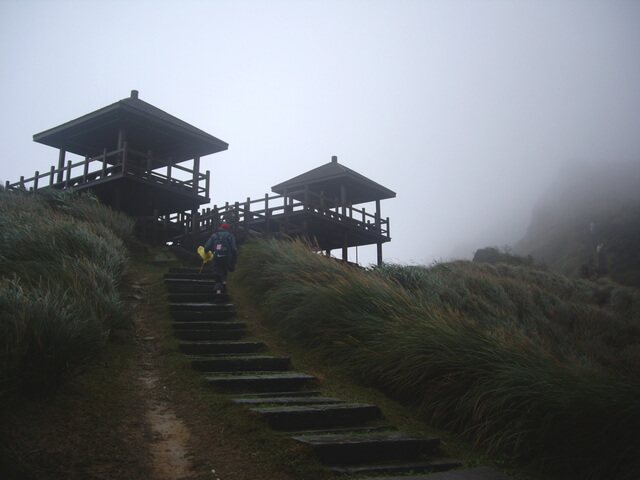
x: 219, y: 275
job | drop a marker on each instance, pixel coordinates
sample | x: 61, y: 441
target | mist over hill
x: 589, y: 209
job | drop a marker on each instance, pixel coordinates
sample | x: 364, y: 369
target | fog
x: 466, y: 109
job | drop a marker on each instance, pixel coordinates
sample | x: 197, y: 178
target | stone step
x: 345, y: 431
x: 318, y: 416
x: 205, y: 280
x: 430, y: 466
x: 478, y: 473
x: 196, y: 335
x: 176, y: 287
x: 187, y: 270
x: 190, y: 275
x: 217, y: 348
x: 212, y: 325
x: 303, y: 393
x: 286, y: 400
x: 363, y: 448
x: 198, y: 297
x: 281, y: 382
x: 241, y: 364
x: 211, y: 316
x: 200, y: 307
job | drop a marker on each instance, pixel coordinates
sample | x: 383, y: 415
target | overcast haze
x: 466, y: 109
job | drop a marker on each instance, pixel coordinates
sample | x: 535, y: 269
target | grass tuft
x: 62, y: 263
x: 519, y: 361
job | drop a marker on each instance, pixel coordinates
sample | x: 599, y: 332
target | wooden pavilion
x: 330, y: 193
x: 325, y: 204
x: 133, y: 155
x: 133, y: 158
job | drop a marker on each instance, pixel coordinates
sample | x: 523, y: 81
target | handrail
x: 107, y: 164
x: 243, y: 213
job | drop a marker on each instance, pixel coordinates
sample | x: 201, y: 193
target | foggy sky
x: 466, y: 109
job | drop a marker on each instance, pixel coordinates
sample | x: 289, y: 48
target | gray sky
x: 466, y: 109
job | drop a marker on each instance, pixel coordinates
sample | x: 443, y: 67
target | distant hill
x: 585, y: 208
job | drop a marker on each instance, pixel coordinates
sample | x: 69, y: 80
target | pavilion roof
x: 147, y: 128
x: 329, y: 178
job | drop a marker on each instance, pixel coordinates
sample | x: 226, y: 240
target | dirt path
x: 169, y: 445
x: 133, y: 416
x: 170, y: 436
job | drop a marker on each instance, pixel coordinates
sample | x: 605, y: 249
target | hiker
x: 223, y: 245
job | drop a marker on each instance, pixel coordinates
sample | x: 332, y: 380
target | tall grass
x: 62, y: 261
x: 516, y: 360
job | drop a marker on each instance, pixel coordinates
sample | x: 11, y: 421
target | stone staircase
x: 350, y: 438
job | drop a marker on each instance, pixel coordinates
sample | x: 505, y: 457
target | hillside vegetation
x: 587, y: 207
x: 62, y: 261
x: 517, y: 360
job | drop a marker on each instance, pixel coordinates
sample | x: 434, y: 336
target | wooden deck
x: 331, y: 225
x: 138, y: 174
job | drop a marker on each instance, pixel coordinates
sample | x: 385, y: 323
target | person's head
x: 225, y: 226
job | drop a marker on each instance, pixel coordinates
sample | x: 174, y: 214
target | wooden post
x: 378, y: 226
x: 124, y: 156
x: 21, y: 181
x: 247, y: 211
x: 35, y: 181
x: 6, y: 184
x: 121, y: 137
x: 215, y: 217
x: 267, y: 214
x: 343, y: 198
x: 345, y: 249
x: 60, y: 165
x: 66, y: 182
x: 149, y: 163
x: 51, y: 177
x: 196, y: 174
x: 207, y: 183
x: 379, y: 245
x: 194, y: 222
x: 86, y: 169
x: 154, y: 229
x: 104, y: 163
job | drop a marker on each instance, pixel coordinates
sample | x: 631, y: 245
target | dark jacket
x: 223, y: 235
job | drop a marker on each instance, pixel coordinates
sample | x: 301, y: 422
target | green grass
x: 523, y: 363
x: 63, y: 258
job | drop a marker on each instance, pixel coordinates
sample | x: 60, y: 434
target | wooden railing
x: 270, y: 215
x: 120, y: 161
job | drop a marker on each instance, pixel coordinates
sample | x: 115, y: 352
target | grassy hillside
x: 62, y: 260
x: 587, y: 207
x: 519, y: 361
